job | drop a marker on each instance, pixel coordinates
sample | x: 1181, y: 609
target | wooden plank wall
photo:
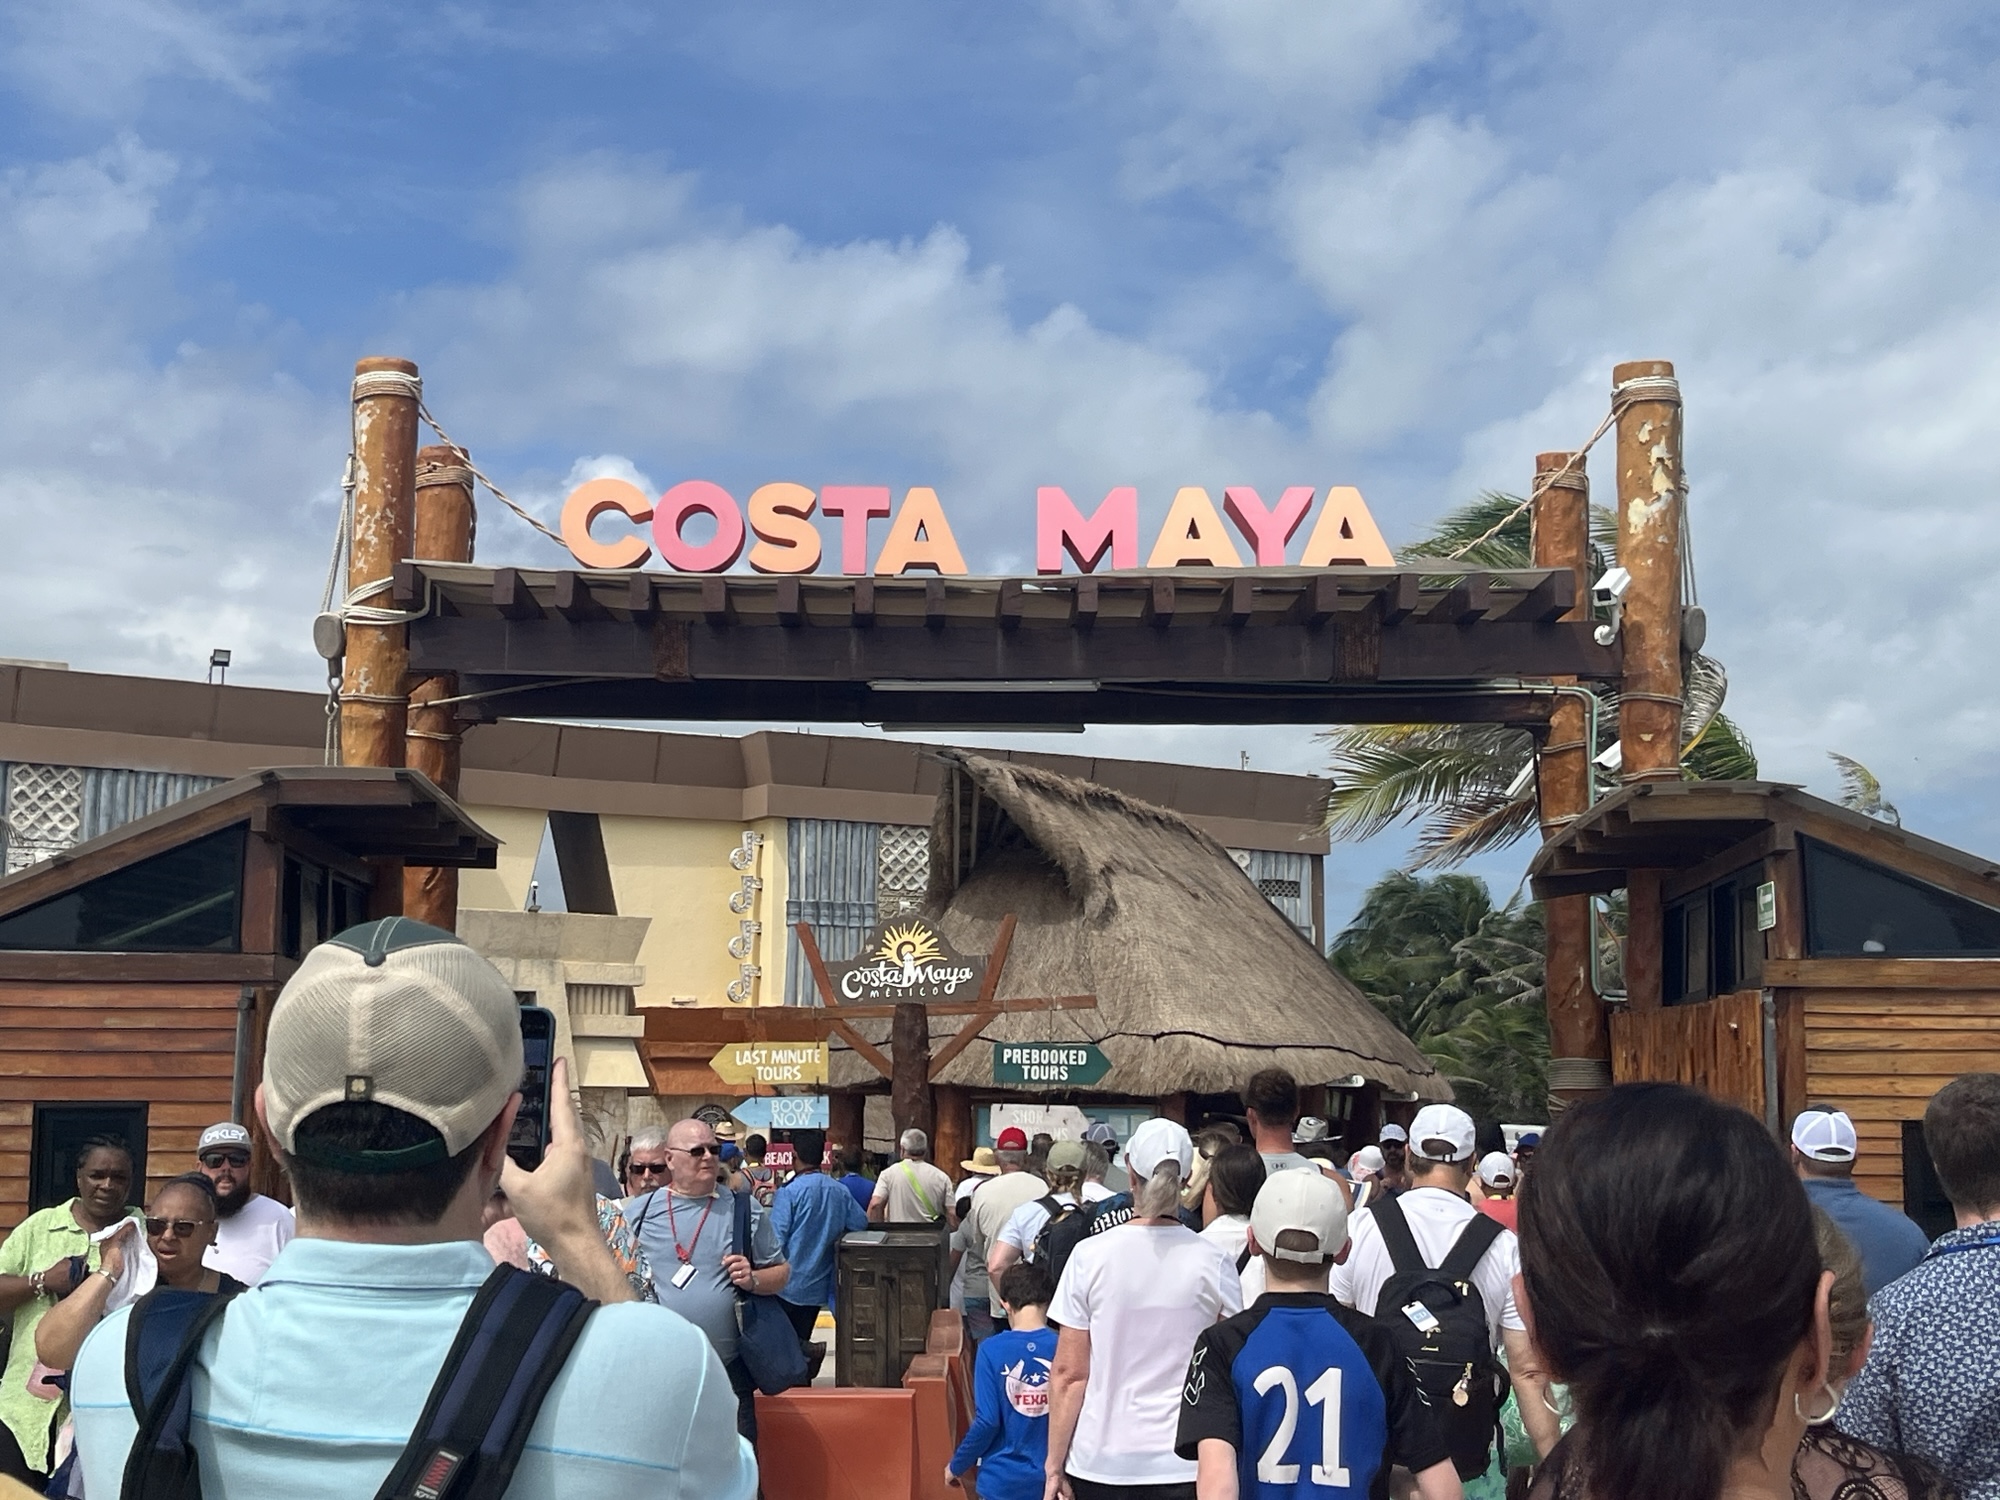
x: 172, y: 1045
x: 1880, y: 1054
x: 1717, y: 1045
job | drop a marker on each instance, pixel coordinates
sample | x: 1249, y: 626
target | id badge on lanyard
x: 683, y: 1276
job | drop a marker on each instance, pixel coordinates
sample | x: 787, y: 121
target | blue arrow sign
x: 784, y: 1112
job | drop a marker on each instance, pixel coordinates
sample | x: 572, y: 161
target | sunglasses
x: 225, y: 1158
x: 698, y: 1151
x: 647, y: 1169
x: 183, y: 1228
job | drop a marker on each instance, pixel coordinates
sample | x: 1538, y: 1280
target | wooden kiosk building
x: 1785, y: 951
x: 137, y: 971
x: 1199, y: 981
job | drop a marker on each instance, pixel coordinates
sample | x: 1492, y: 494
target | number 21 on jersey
x: 1323, y: 1393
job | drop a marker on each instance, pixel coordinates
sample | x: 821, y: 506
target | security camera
x: 1609, y: 593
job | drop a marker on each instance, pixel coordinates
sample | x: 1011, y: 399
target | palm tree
x: 1470, y: 787
x: 1461, y: 978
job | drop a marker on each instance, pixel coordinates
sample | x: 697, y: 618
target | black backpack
x: 1437, y: 1320
x: 510, y: 1348
x: 1071, y: 1224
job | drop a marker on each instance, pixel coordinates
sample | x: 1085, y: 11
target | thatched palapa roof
x: 1199, y: 980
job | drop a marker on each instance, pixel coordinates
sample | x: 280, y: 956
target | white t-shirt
x: 1144, y: 1293
x: 1229, y: 1233
x: 249, y: 1240
x: 1287, y: 1161
x: 1024, y: 1225
x: 1435, y: 1218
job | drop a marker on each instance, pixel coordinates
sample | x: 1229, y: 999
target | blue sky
x: 1216, y: 241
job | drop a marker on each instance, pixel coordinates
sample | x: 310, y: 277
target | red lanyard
x: 686, y: 1254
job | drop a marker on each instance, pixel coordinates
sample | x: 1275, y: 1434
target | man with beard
x: 250, y: 1229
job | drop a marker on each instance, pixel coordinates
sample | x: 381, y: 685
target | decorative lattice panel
x: 902, y: 868
x: 44, y: 812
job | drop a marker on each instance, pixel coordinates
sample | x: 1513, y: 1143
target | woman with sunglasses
x: 179, y: 1228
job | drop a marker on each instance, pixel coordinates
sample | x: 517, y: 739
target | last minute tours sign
x: 612, y: 523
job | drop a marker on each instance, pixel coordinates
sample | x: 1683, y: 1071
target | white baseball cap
x: 1825, y: 1135
x: 1442, y: 1124
x: 1305, y: 1201
x: 1394, y: 1133
x: 1367, y: 1159
x: 1496, y: 1169
x: 1157, y: 1141
x: 401, y: 1013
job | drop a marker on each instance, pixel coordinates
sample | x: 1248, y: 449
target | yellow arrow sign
x: 771, y: 1062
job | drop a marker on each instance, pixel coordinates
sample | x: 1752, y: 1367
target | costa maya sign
x: 904, y: 961
x: 613, y: 524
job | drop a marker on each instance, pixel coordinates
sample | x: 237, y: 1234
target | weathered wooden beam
x: 572, y: 599
x: 790, y: 601
x: 1399, y: 597
x: 1467, y: 600
x: 1550, y: 599
x: 1013, y: 603
x: 1160, y: 604
x: 512, y: 597
x: 715, y: 601
x: 1238, y: 602
x: 863, y: 609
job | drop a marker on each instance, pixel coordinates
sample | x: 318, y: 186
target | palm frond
x: 1723, y: 753
x: 1509, y: 547
x: 1861, y: 792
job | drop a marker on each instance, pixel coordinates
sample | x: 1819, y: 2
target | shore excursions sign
x: 777, y: 523
x: 907, y: 960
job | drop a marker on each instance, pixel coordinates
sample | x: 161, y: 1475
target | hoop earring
x: 1833, y: 1407
x: 1553, y: 1409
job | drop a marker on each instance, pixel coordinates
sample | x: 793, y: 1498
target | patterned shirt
x: 622, y: 1243
x: 1931, y: 1386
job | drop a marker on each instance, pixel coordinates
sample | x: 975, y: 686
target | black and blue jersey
x: 1312, y: 1397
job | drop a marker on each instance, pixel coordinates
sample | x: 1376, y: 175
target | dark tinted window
x: 1923, y: 1194
x: 184, y: 900
x: 1857, y: 908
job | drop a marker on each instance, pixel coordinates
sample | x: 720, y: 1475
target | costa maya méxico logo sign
x: 907, y: 960
x: 612, y: 524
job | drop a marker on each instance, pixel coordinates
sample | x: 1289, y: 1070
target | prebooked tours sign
x: 907, y: 960
x: 771, y: 1062
x: 1046, y: 1063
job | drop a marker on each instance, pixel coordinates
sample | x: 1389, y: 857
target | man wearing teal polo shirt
x: 391, y: 1071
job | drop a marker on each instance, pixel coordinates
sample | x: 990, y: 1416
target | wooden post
x: 1645, y: 939
x: 951, y: 1143
x: 443, y: 532
x: 1579, y: 1045
x: 1650, y: 495
x: 373, y: 701
x: 844, y: 1111
x: 374, y: 708
x: 910, y: 1085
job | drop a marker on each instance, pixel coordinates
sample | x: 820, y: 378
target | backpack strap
x: 162, y: 1338
x: 1243, y: 1261
x: 1397, y: 1239
x: 1474, y: 1240
x: 510, y: 1348
x: 740, y: 1231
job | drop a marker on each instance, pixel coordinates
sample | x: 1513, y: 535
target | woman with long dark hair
x: 1674, y: 1283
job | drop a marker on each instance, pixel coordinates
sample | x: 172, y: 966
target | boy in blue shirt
x: 1298, y: 1397
x: 1009, y: 1437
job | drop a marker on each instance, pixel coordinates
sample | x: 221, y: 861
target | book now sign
x: 776, y: 523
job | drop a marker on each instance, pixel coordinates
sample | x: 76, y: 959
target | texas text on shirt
x: 272, y: 1417
x: 1312, y: 1396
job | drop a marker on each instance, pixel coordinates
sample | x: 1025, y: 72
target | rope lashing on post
x: 499, y: 494
x: 1565, y: 477
x: 459, y: 476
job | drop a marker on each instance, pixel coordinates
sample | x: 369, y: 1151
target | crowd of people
x: 1653, y: 1298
